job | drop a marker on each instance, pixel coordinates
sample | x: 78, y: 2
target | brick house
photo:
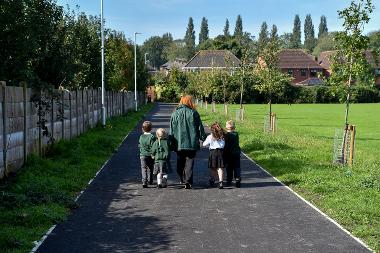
x: 304, y: 69
x: 324, y: 60
x: 212, y: 59
x: 178, y: 63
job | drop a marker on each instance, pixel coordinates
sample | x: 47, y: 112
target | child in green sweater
x: 161, y: 154
x: 145, y: 144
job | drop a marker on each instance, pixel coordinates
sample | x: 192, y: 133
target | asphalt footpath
x: 116, y: 214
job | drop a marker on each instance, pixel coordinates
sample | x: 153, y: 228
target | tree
x: 176, y: 49
x: 155, y: 46
x: 273, y: 33
x: 325, y: 43
x: 226, y: 30
x: 296, y: 35
x: 271, y: 80
x: 190, y: 39
x: 286, y: 40
x: 349, y: 60
x: 238, y: 27
x: 322, y: 27
x: 203, y: 35
x: 309, y: 33
x: 263, y: 36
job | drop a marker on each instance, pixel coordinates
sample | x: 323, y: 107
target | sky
x: 156, y: 17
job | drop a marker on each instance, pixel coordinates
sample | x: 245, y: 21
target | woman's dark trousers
x: 185, y: 164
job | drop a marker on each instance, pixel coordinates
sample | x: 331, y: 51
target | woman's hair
x: 188, y: 101
x: 161, y: 133
x: 217, y: 131
x: 147, y: 126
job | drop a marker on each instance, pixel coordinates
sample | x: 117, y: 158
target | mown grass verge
x: 300, y: 155
x: 44, y: 191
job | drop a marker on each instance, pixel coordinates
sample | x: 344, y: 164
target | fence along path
x: 75, y: 113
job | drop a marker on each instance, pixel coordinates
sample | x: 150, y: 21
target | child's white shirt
x: 214, y: 144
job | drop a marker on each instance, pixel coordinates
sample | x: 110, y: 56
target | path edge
x: 312, y: 206
x: 51, y: 229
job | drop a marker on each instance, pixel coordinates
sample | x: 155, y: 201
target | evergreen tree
x: 309, y: 33
x: 226, y: 30
x: 263, y: 36
x: 203, y: 35
x: 238, y: 27
x: 322, y: 27
x: 296, y: 36
x: 273, y: 33
x: 190, y: 38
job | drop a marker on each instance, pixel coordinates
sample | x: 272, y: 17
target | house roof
x: 176, y: 63
x: 324, y: 59
x: 296, y: 59
x: 213, y: 59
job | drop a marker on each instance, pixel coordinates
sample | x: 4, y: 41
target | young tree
x: 238, y: 27
x: 263, y: 36
x: 349, y: 60
x: 271, y: 79
x: 203, y: 35
x: 309, y: 33
x: 273, y: 33
x: 190, y: 38
x: 226, y: 30
x: 322, y: 27
x: 296, y: 35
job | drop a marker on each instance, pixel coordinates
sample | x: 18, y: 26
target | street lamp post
x: 103, y: 109
x: 136, y: 73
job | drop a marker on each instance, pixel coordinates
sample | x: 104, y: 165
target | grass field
x: 300, y: 155
x: 44, y: 192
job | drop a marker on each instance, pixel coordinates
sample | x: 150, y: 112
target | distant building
x: 177, y: 63
x: 325, y: 59
x: 212, y: 59
x: 304, y: 69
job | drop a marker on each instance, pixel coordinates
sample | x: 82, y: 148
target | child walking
x: 161, y: 154
x: 146, y: 141
x: 215, y: 160
x: 232, y: 154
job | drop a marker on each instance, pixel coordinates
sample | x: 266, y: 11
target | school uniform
x: 232, y: 156
x: 161, y: 154
x: 146, y: 141
x: 216, y: 157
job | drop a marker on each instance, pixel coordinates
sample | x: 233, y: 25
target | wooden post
x: 226, y: 110
x: 5, y: 141
x: 25, y: 139
x: 352, y: 145
x: 77, y: 111
x: 63, y: 113
x: 273, y: 123
x: 93, y: 108
x: 70, y: 116
x: 206, y: 105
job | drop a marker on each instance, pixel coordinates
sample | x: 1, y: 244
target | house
x: 212, y: 59
x: 324, y: 60
x: 177, y: 63
x: 301, y: 66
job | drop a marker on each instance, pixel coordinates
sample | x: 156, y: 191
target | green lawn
x: 301, y: 152
x: 44, y: 192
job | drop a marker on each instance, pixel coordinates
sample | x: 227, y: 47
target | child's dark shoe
x: 164, y: 183
x: 159, y: 186
x: 221, y: 185
x: 145, y: 185
x: 187, y: 186
x: 238, y: 184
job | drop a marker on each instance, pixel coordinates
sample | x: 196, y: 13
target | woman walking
x: 187, y: 130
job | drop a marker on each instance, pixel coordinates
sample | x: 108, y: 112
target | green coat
x: 161, y: 151
x: 186, y: 129
x: 145, y: 144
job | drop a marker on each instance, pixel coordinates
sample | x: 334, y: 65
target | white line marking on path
x: 311, y: 205
x: 39, y: 243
